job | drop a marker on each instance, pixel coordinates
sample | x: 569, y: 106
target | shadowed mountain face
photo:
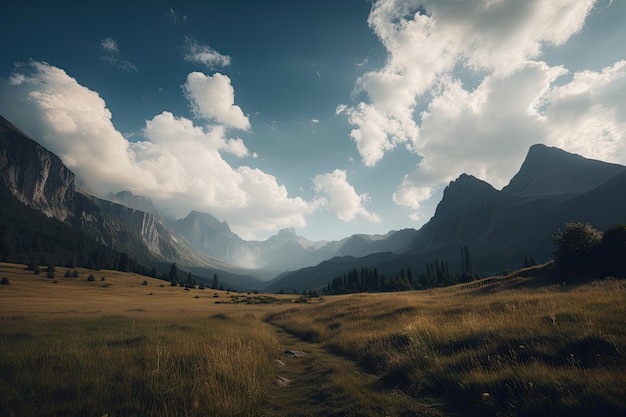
x: 551, y: 171
x: 501, y: 228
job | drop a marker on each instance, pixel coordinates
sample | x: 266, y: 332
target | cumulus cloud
x: 178, y: 163
x: 204, y: 54
x: 464, y: 87
x: 213, y: 98
x: 588, y: 114
x: 73, y: 122
x: 340, y: 197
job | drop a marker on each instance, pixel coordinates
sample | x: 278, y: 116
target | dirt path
x: 320, y: 383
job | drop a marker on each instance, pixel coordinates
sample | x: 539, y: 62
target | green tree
x: 50, y: 269
x: 216, y: 282
x: 173, y: 275
x: 577, y: 248
x: 190, y: 283
x: 613, y: 251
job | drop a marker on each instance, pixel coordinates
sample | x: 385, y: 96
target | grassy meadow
x: 501, y: 346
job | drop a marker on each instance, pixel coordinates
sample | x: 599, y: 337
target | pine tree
x: 173, y: 275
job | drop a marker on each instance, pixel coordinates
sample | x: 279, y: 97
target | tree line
x: 367, y: 279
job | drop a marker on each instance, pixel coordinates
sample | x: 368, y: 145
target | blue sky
x: 332, y: 117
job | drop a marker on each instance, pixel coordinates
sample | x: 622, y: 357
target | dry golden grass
x: 117, y: 347
x: 496, y: 347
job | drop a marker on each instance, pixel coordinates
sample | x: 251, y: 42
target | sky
x: 329, y: 117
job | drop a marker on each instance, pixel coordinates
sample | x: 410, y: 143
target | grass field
x: 499, y: 347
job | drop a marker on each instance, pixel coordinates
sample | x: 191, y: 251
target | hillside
x: 500, y: 227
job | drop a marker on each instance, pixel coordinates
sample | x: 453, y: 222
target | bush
x: 102, y: 279
x: 613, y: 251
x: 75, y: 274
x: 67, y: 274
x: 5, y: 281
x: 145, y: 282
x: 91, y: 278
x: 577, y: 248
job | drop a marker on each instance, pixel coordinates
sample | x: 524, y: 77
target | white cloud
x: 269, y: 205
x: 109, y: 44
x: 236, y: 147
x: 588, y: 114
x: 341, y: 198
x: 178, y: 164
x: 213, y: 98
x: 512, y: 99
x: 204, y: 54
x: 113, y: 55
x: 73, y: 122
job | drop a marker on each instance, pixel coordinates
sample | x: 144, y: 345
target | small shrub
x: 91, y: 278
x: 101, y: 279
x: 5, y: 281
x: 67, y: 274
x: 145, y: 282
x: 75, y: 274
x: 577, y: 248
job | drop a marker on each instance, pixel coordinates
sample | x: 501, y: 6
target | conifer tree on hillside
x: 173, y: 275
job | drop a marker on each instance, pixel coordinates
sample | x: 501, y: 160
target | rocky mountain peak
x: 287, y: 233
x: 203, y: 220
x: 137, y: 202
x: 34, y: 175
x: 549, y: 171
x: 467, y: 190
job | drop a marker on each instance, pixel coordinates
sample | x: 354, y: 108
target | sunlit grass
x: 485, y: 349
x: 496, y: 347
x: 75, y: 356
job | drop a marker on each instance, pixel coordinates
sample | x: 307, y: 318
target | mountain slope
x: 502, y: 228
x: 551, y: 171
x: 282, y: 252
x: 33, y: 175
x: 37, y: 178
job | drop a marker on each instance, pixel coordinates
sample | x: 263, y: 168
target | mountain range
x: 499, y: 227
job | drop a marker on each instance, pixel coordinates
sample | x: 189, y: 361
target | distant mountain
x: 137, y: 202
x: 284, y: 251
x: 500, y: 228
x: 214, y: 238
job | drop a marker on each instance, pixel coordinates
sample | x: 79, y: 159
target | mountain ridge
x: 500, y: 227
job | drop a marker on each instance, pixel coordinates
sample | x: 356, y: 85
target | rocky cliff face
x: 32, y: 174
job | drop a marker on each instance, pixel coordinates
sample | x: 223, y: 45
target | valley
x: 523, y: 344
